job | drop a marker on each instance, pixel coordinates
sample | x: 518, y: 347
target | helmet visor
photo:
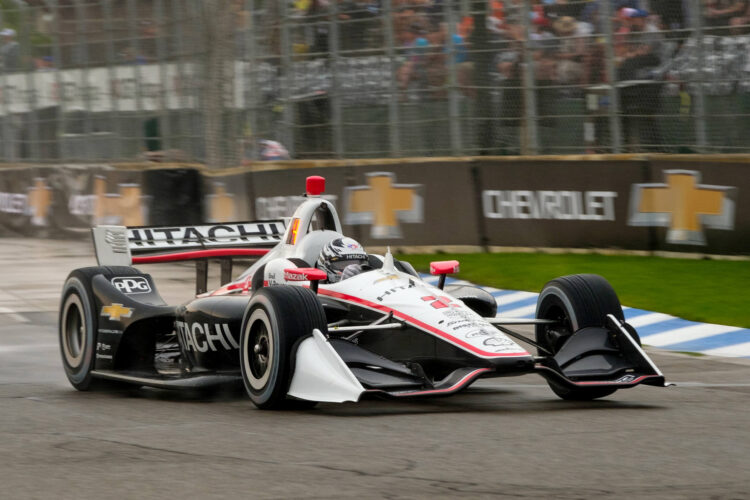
x: 340, y: 265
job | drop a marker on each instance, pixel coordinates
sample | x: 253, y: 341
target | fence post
x: 132, y: 14
x: 335, y: 93
x: 252, y: 72
x: 454, y: 112
x: 114, y: 99
x: 26, y: 55
x: 161, y: 55
x: 700, y: 101
x: 393, y: 112
x: 9, y: 143
x: 529, y: 86
x: 85, y: 87
x: 614, y: 95
x: 185, y: 101
x: 286, y: 82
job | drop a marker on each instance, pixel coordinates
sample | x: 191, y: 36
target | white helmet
x: 338, y: 254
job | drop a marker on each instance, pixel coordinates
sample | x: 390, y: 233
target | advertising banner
x: 560, y: 203
x: 695, y: 205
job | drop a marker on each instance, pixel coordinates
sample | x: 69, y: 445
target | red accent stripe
x: 465, y: 380
x: 200, y: 254
x: 419, y: 324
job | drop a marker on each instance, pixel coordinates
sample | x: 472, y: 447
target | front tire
x: 77, y: 329
x: 275, y: 320
x: 575, y: 302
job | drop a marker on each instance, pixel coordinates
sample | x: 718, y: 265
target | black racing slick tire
x: 575, y: 302
x: 77, y: 327
x: 276, y: 320
x: 78, y: 324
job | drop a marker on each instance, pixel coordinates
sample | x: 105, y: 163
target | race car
x: 294, y: 338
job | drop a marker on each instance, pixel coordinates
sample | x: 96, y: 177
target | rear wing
x: 126, y: 246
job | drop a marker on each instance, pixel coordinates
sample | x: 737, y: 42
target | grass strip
x: 711, y: 291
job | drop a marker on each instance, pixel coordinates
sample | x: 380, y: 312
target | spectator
x: 318, y: 15
x: 719, y: 13
x: 571, y: 51
x: 640, y: 101
x: 10, y: 51
x: 740, y: 23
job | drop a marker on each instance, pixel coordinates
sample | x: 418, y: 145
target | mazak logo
x: 684, y: 206
x: 132, y: 284
x: 383, y: 204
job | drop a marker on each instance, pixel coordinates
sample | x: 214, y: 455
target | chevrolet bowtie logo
x: 684, y: 206
x: 39, y: 202
x: 117, y: 311
x: 383, y: 204
x: 221, y: 204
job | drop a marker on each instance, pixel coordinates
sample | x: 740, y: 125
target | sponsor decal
x: 221, y: 205
x: 107, y: 330
x: 626, y: 379
x: 35, y: 202
x: 278, y: 207
x: 439, y: 302
x: 131, y: 284
x: 383, y: 204
x: 204, y: 337
x: 157, y: 238
x: 562, y: 205
x: 294, y: 276
x: 127, y: 207
x: 102, y: 349
x: 462, y: 319
x: 386, y: 278
x: 117, y: 311
x: 395, y: 289
x: 684, y: 206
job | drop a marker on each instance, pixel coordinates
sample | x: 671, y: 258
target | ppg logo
x: 132, y: 284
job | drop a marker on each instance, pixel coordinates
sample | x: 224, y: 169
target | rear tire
x: 275, y: 320
x: 576, y: 301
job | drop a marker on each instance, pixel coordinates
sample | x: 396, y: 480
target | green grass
x: 713, y: 291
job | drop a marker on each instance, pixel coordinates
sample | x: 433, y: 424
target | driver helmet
x: 338, y: 254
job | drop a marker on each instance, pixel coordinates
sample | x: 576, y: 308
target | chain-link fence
x: 228, y: 82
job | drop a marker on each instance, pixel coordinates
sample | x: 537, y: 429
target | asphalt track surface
x: 503, y: 438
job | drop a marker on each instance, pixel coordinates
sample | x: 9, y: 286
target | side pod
x: 601, y: 357
x: 321, y: 375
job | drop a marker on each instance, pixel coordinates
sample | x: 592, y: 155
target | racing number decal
x: 439, y: 302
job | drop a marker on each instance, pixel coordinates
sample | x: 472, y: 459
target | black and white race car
x: 294, y: 339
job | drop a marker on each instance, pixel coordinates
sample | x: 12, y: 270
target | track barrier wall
x: 695, y: 204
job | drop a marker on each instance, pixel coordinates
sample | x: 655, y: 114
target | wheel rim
x: 552, y: 335
x: 258, y: 347
x: 74, y: 331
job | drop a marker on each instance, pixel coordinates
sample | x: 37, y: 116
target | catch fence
x: 229, y: 82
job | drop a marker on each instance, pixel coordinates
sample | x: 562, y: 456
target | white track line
x: 504, y: 300
x: 649, y: 319
x: 741, y: 350
x: 688, y: 333
x: 520, y: 312
x: 13, y: 314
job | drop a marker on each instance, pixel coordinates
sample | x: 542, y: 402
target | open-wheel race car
x: 294, y: 336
